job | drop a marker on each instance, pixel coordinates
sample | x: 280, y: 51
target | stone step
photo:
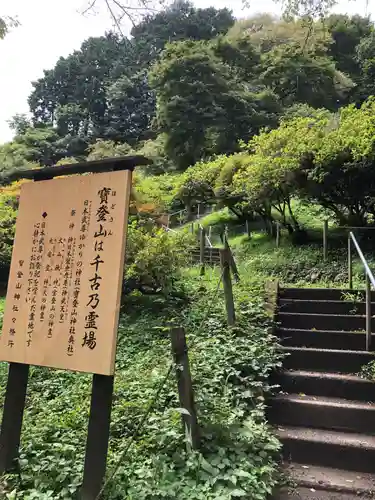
x: 323, y: 307
x: 326, y: 360
x: 342, y: 450
x: 312, y: 494
x: 328, y: 479
x: 323, y: 294
x: 325, y: 339
x: 322, y: 413
x: 325, y: 384
x: 336, y: 322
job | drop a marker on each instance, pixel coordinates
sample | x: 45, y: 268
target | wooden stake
x: 185, y: 387
x: 350, y: 263
x: 227, y: 283
x: 325, y: 240
x: 248, y: 232
x: 277, y: 234
x: 202, y: 250
x: 14, y: 406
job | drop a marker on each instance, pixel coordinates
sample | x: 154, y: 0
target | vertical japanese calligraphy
x: 103, y: 218
x: 67, y: 266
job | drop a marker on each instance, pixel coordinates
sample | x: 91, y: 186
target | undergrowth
x: 230, y: 368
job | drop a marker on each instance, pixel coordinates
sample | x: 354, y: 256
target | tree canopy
x: 190, y: 85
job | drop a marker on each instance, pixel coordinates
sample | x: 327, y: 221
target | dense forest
x: 245, y: 114
x: 190, y: 84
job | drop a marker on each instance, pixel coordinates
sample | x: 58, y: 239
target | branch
x: 117, y: 9
x: 116, y: 21
x: 89, y: 7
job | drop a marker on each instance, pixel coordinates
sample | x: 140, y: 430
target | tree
x: 347, y: 33
x: 180, y: 21
x: 267, y: 177
x: 40, y: 145
x: 81, y: 79
x: 340, y: 174
x: 202, y: 107
x: 107, y: 149
x: 366, y: 60
x: 19, y: 123
x: 101, y: 91
x: 132, y: 10
x: 6, y: 23
x: 267, y: 32
x: 131, y: 109
x: 297, y: 76
x: 3, y: 28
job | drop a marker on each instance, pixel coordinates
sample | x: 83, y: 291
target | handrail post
x: 202, y: 250
x: 350, y: 263
x: 368, y: 313
x: 277, y: 234
x: 325, y: 239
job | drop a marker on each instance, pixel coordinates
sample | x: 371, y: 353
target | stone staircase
x: 325, y: 413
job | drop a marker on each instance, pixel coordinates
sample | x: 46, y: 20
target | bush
x: 8, y: 213
x: 154, y: 258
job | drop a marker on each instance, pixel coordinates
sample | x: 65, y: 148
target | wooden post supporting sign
x: 185, y: 387
x: 97, y: 436
x: 12, y: 416
x: 64, y: 293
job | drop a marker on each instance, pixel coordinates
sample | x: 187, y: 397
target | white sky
x: 53, y: 28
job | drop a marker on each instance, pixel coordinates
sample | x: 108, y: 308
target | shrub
x: 154, y: 257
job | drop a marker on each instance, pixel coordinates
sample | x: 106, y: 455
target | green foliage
x: 298, y: 76
x: 155, y: 150
x: 340, y: 177
x: 101, y: 91
x: 158, y: 191
x: 190, y: 100
x: 347, y: 33
x: 154, y: 258
x: 202, y: 106
x: 8, y: 214
x: 230, y: 369
x: 108, y: 149
x: 6, y: 23
x: 39, y: 145
x: 267, y: 32
x: 181, y: 21
x: 3, y: 28
x: 368, y: 371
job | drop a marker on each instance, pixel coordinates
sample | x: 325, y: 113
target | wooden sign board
x: 64, y: 291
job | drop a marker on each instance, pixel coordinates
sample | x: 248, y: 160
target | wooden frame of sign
x: 64, y: 293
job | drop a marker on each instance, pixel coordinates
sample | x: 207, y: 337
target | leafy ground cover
x: 230, y: 368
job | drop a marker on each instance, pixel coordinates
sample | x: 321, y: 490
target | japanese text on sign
x: 67, y: 266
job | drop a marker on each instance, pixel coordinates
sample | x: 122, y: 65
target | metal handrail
x: 207, y: 238
x: 370, y: 280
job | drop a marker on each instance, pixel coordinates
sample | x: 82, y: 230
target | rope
x: 153, y: 401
